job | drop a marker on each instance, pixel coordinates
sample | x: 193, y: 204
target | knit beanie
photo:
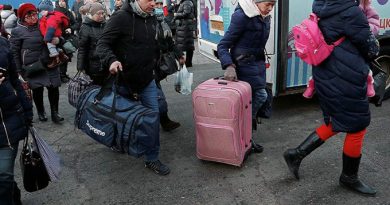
x: 95, y: 7
x: 24, y: 9
x: 7, y: 7
x: 45, y: 5
x: 259, y: 1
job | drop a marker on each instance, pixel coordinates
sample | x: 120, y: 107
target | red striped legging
x: 353, y: 141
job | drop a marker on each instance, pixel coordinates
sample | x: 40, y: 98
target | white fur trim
x: 249, y: 7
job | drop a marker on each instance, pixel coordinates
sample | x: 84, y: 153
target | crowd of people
x: 130, y: 40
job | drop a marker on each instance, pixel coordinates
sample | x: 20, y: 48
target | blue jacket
x: 246, y: 39
x: 14, y: 105
x: 341, y: 80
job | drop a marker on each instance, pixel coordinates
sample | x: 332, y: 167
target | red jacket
x: 53, y: 24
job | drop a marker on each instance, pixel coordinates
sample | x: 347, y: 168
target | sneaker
x: 158, y: 167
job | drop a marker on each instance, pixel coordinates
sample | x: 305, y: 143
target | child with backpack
x: 373, y: 21
x: 51, y: 25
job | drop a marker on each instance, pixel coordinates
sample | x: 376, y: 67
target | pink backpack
x: 310, y: 43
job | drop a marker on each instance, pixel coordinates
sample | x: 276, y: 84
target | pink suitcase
x: 222, y: 115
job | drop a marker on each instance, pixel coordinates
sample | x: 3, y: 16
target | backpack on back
x: 310, y: 43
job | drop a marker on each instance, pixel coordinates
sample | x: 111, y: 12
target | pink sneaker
x: 309, y: 92
x: 370, y: 86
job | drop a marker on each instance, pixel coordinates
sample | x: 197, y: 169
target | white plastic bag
x: 184, y: 80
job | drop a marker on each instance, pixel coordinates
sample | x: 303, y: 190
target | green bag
x: 33, y: 68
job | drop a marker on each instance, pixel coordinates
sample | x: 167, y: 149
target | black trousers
x: 53, y: 95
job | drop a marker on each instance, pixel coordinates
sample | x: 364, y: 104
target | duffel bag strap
x: 106, y: 88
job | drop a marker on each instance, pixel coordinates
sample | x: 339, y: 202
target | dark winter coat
x: 15, y: 107
x: 131, y: 40
x: 185, y: 25
x: 76, y: 10
x: 28, y: 47
x: 341, y: 80
x: 246, y: 38
x: 87, y: 57
x: 73, y: 24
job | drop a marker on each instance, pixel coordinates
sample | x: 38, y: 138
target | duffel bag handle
x: 111, y: 85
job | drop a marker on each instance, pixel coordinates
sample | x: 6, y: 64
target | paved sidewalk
x: 94, y: 175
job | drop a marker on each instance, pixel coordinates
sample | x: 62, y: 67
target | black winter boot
x: 53, y: 95
x: 349, y: 177
x: 42, y: 116
x: 38, y: 100
x: 256, y: 148
x: 55, y: 117
x: 166, y: 123
x: 295, y: 156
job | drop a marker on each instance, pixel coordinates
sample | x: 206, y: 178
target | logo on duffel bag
x: 95, y: 130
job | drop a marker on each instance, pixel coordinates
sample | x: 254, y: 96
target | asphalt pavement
x: 92, y: 174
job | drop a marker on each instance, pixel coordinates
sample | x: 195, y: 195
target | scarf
x: 137, y: 9
x: 249, y: 7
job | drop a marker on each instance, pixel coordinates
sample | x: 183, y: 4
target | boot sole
x: 173, y: 128
x: 354, y: 190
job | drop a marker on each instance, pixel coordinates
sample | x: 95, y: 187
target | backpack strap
x: 338, y: 42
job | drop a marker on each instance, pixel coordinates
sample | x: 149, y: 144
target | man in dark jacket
x: 341, y: 87
x: 15, y: 114
x: 129, y: 45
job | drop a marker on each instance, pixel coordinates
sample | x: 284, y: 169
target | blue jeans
x: 7, y: 162
x: 149, y: 98
x: 259, y: 96
x: 162, y: 102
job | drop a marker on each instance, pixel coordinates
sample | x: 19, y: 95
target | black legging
x: 54, y: 97
x: 63, y: 69
x: 189, y: 55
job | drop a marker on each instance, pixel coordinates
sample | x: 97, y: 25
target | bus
x: 287, y: 74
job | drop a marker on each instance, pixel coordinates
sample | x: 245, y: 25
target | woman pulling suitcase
x: 241, y: 51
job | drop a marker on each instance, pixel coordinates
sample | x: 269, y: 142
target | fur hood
x: 249, y: 7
